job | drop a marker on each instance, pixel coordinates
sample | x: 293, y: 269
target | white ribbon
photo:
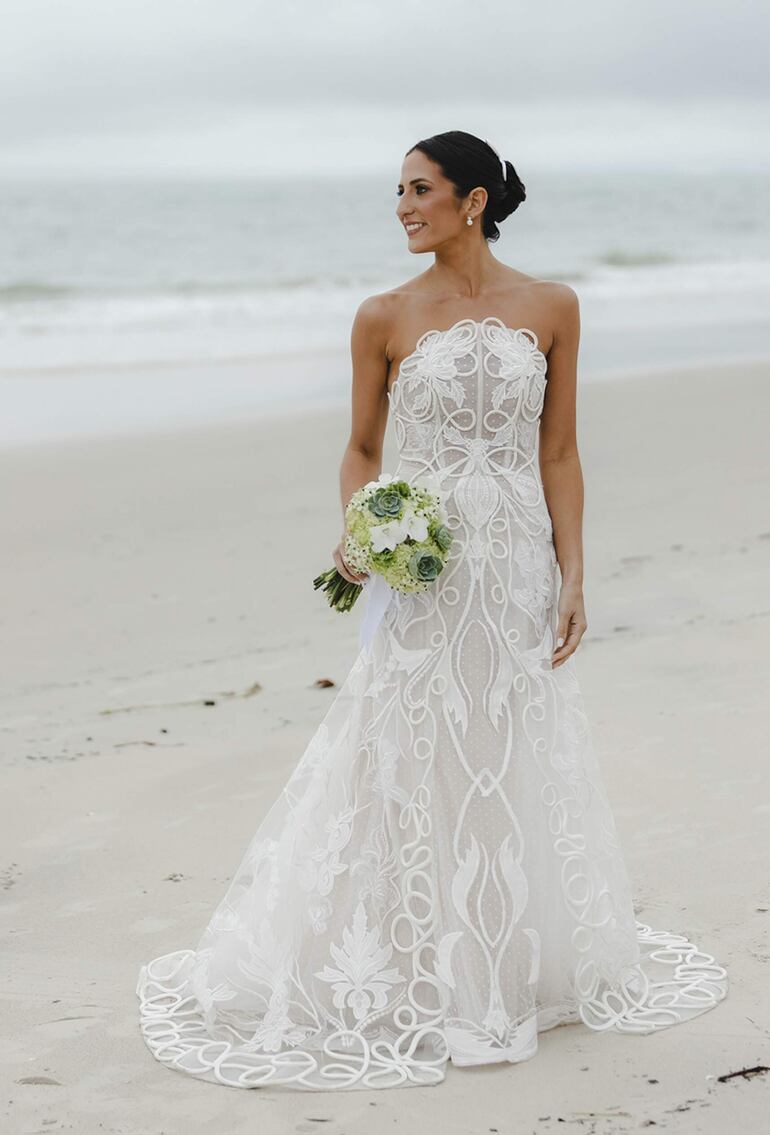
x: 378, y: 595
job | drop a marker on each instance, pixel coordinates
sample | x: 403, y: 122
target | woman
x: 441, y: 877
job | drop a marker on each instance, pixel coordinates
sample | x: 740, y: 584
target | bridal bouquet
x: 396, y: 529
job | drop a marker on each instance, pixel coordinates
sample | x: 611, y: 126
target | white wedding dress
x: 440, y: 879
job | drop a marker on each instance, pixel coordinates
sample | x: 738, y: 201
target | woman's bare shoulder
x: 545, y: 306
x: 385, y: 304
x: 381, y: 314
x: 554, y: 292
x: 544, y: 289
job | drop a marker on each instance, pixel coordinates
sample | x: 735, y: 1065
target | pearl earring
x: 469, y: 220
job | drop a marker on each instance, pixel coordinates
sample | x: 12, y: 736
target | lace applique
x: 522, y: 370
x: 318, y: 871
x: 536, y: 561
x: 361, y: 981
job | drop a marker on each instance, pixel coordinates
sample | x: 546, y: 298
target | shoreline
x: 191, y: 407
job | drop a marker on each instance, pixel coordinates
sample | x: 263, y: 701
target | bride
x: 441, y: 878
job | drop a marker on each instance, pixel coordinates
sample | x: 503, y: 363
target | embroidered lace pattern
x: 440, y: 878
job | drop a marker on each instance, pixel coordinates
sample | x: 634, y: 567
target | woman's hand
x: 572, y: 622
x: 343, y: 567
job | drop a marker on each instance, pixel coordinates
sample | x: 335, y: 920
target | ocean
x: 141, y: 303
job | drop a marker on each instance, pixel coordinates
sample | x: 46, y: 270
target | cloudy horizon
x: 240, y: 89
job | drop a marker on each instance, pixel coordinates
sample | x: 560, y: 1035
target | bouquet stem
x: 340, y: 592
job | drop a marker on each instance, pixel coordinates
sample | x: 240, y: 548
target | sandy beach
x: 161, y: 647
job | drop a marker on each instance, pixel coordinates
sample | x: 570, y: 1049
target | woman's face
x: 427, y: 197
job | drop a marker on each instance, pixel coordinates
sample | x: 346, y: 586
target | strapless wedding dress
x: 440, y: 878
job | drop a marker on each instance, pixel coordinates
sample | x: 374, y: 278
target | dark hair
x: 468, y: 161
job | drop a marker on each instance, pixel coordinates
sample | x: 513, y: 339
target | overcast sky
x: 242, y: 86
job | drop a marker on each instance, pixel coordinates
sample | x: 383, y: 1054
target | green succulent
x: 386, y: 502
x: 425, y: 566
x: 442, y: 536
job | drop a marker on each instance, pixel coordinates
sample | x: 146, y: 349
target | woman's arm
x: 362, y: 459
x: 560, y: 468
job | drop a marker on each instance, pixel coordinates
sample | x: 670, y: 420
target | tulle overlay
x: 440, y: 878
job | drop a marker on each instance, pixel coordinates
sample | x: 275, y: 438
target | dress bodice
x: 469, y: 396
